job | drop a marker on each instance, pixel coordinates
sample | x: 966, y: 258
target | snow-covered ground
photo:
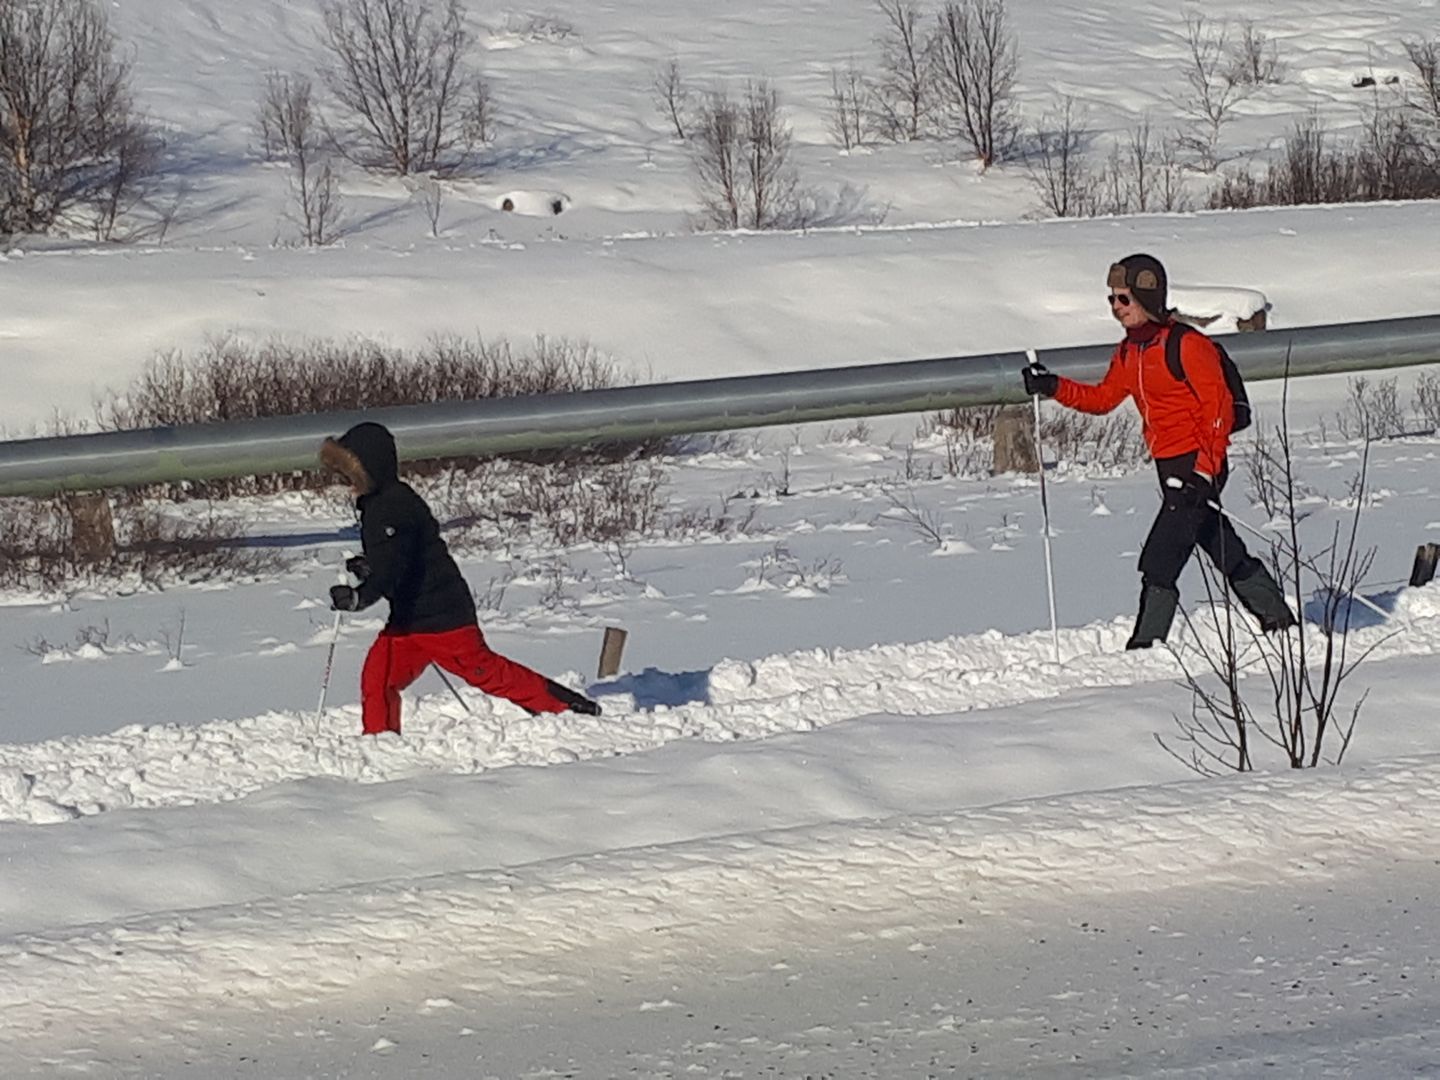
x: 846, y: 812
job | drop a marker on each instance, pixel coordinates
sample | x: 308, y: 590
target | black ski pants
x: 1180, y: 526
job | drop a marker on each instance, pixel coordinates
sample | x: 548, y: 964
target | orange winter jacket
x: 1179, y: 417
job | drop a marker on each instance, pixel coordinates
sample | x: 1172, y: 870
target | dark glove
x: 1189, y: 492
x: 1038, y: 380
x: 344, y: 598
x: 359, y: 567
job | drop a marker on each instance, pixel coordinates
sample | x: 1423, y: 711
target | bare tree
x: 716, y: 155
x: 741, y: 156
x: 977, y: 60
x: 903, y: 94
x: 1256, y: 57
x: 672, y: 96
x: 1059, y: 169
x: 1170, y: 193
x: 850, y: 107
x: 285, y: 117
x: 135, y: 163
x: 772, y: 182
x: 290, y: 131
x: 73, y: 150
x: 1397, y: 158
x: 1213, y: 85
x: 1300, y: 674
x: 1150, y: 174
x: 1425, y: 58
x: 432, y: 197
x: 399, y: 70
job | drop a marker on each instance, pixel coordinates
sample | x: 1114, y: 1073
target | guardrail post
x: 92, y: 526
x: 1015, y: 441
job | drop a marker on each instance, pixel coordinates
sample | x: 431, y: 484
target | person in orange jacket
x: 1187, y: 425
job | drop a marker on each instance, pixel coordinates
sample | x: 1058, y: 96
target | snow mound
x: 169, y: 765
x: 645, y: 903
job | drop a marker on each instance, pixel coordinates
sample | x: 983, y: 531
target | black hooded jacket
x: 409, y: 564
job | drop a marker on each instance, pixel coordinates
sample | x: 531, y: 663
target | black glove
x: 359, y: 567
x: 1189, y: 492
x: 344, y: 598
x: 1038, y: 380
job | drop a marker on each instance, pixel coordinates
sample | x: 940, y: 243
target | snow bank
x: 170, y: 765
x: 756, y: 891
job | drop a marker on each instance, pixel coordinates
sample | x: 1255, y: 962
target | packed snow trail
x: 181, y: 765
x: 553, y: 924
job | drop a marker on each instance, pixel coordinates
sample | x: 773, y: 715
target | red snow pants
x: 397, y: 659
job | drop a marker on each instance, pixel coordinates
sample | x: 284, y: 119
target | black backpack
x: 1233, y: 380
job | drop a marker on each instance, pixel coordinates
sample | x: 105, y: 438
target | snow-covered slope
x: 846, y: 812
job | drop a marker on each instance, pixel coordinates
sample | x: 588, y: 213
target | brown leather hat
x: 1144, y: 276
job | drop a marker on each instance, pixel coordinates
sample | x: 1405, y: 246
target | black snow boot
x: 1157, y: 611
x: 577, y: 703
x: 1262, y: 597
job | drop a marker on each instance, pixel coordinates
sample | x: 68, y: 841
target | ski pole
x: 1365, y: 601
x: 450, y: 685
x: 330, y: 655
x: 329, y: 665
x: 1045, y: 517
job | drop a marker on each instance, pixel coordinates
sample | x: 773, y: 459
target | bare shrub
x: 545, y: 28
x: 1371, y: 411
x: 1256, y: 57
x: 289, y: 130
x: 597, y: 504
x: 558, y: 503
x: 850, y: 108
x: 1427, y: 398
x: 1425, y: 59
x: 1238, y: 189
x: 432, y: 198
x: 1392, y: 162
x: 1149, y: 173
x: 741, y: 157
x: 1247, y: 688
x: 1078, y: 439
x: 967, y: 437
x: 401, y: 74
x: 285, y: 118
x: 1312, y: 170
x: 1213, y: 86
x: 976, y: 61
x: 904, y: 95
x: 74, y: 152
x: 716, y: 151
x: 1397, y: 158
x: 38, y: 549
x: 1059, y: 167
x: 672, y: 97
x: 235, y: 380
x: 922, y: 520
x: 1093, y: 442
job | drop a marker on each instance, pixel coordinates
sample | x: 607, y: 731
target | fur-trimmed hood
x: 365, y: 455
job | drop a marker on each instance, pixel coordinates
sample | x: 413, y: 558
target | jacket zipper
x: 1140, y: 382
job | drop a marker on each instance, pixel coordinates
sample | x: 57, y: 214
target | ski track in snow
x: 172, y: 765
x: 545, y: 927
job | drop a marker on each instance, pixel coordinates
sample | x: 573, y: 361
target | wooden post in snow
x: 92, y: 528
x: 610, y: 651
x: 1423, y: 572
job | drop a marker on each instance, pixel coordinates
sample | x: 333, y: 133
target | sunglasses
x: 1123, y: 301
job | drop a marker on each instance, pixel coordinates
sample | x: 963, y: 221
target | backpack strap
x: 1172, y: 351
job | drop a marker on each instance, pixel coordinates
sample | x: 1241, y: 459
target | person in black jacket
x: 432, y: 613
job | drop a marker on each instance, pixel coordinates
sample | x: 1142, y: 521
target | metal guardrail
x: 509, y: 425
